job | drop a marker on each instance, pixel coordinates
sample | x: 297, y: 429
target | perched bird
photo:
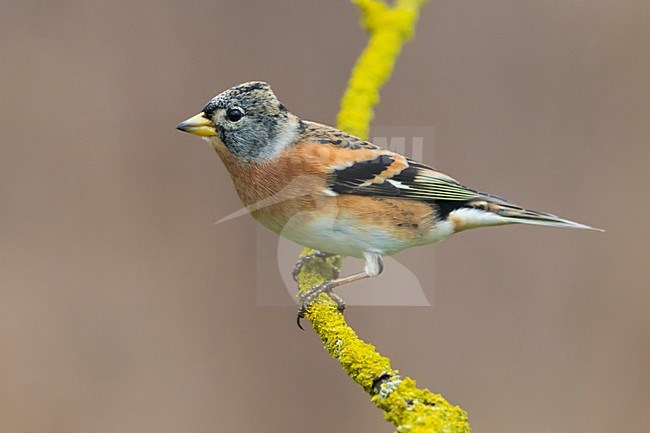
x: 328, y: 190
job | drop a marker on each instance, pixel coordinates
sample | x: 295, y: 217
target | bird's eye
x: 235, y: 114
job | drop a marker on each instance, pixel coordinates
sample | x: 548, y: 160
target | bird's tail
x: 493, y: 211
x: 525, y: 216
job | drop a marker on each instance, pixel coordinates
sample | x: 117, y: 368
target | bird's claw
x: 340, y: 303
x: 316, y: 254
x: 299, y: 317
x: 310, y: 295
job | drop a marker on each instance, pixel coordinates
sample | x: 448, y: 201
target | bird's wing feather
x: 392, y: 175
x: 368, y: 170
x: 362, y: 168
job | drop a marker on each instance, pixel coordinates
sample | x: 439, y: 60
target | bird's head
x: 248, y: 120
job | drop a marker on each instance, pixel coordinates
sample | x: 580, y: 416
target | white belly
x: 339, y: 235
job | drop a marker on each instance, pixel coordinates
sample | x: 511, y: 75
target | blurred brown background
x: 124, y: 309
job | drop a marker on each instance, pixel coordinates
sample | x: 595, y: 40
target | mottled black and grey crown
x: 256, y: 97
x: 264, y: 128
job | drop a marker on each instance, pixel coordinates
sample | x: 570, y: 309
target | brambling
x: 335, y: 193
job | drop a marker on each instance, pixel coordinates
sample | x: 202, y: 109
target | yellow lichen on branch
x: 389, y: 27
x: 409, y: 408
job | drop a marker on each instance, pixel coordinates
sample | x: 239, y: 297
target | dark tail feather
x: 496, y: 211
x: 524, y: 216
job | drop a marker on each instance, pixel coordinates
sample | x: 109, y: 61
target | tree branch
x: 407, y: 407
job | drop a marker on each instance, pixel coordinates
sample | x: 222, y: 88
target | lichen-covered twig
x: 389, y: 28
x: 407, y: 407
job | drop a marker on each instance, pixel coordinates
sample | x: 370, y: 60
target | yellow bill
x: 198, y: 125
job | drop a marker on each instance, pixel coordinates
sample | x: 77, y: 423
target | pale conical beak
x: 198, y: 125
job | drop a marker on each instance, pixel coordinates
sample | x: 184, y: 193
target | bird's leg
x: 316, y: 254
x: 373, y: 267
